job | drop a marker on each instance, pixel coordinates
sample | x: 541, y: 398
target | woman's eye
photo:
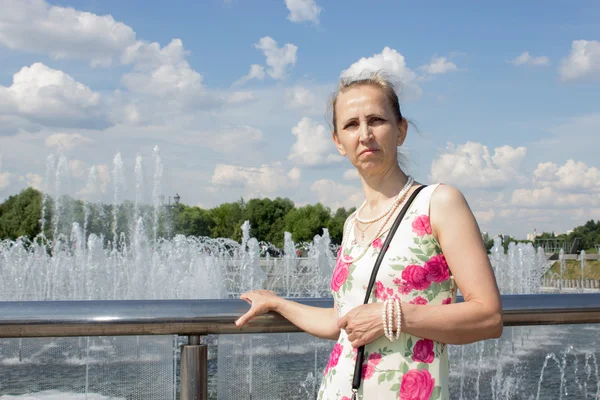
x: 350, y: 125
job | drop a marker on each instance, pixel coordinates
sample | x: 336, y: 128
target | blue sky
x: 506, y: 98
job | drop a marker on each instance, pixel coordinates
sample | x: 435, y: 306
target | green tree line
x: 21, y: 215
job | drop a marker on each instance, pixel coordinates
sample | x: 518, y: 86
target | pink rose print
x: 423, y: 351
x: 421, y: 225
x: 447, y: 301
x: 418, y: 300
x: 345, y: 398
x: 334, y: 357
x: 342, y: 269
x: 368, y: 370
x: 380, y: 291
x: 374, y: 358
x: 437, y: 269
x: 416, y: 277
x: 417, y: 384
x: 403, y: 286
x: 377, y: 243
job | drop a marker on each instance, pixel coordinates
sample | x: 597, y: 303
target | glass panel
x: 123, y: 368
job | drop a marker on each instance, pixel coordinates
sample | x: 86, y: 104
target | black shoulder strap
x: 361, y: 350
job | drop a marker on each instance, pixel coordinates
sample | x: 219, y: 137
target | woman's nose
x: 365, y: 131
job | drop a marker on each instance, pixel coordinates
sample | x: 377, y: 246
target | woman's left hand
x: 363, y: 324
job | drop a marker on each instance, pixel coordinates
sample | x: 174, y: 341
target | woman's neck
x: 381, y: 188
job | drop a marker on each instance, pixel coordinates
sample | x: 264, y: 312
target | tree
x: 193, y: 221
x: 20, y: 215
x: 266, y: 218
x: 336, y: 224
x: 306, y: 222
x: 228, y: 219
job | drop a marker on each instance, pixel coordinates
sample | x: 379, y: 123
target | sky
x: 218, y: 100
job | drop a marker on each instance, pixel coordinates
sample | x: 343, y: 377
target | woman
x: 437, y: 248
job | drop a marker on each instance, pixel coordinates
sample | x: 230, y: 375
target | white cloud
x: 300, y: 97
x: 67, y: 141
x: 5, y: 177
x: 257, y: 181
x: 439, y: 65
x: 548, y: 197
x: 256, y: 72
x: 570, y: 176
x: 334, y: 195
x: 472, y: 166
x: 394, y: 65
x: 49, y: 96
x: 279, y: 59
x: 240, y: 97
x: 303, y: 10
x: 526, y: 59
x: 351, y: 174
x: 582, y: 62
x: 484, y: 217
x: 295, y: 174
x: 35, y: 181
x: 161, y: 71
x: 37, y: 27
x: 78, y: 168
x: 313, y: 144
x: 225, y: 139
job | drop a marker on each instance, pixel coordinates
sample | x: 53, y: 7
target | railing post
x: 194, y: 370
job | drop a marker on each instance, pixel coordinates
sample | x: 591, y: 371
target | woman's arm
x: 479, y: 317
x: 317, y: 321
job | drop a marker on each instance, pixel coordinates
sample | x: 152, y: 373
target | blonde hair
x: 377, y: 79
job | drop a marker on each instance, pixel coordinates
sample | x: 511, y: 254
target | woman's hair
x: 377, y: 79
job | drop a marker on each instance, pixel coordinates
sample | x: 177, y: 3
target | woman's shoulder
x: 445, y: 197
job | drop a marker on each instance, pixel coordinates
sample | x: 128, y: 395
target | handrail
x: 202, y: 317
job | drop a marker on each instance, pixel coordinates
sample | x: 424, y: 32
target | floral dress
x: 413, y: 270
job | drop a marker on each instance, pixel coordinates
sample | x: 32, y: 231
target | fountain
x: 122, y: 252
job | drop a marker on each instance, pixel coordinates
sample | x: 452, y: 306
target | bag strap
x: 361, y: 350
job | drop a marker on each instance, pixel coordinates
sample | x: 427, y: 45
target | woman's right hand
x: 261, y: 301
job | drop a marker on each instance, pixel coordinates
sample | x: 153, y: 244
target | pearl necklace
x: 377, y: 234
x: 397, y: 200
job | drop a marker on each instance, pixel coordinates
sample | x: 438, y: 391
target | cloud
x: 62, y: 33
x: 439, y: 65
x: 161, y: 71
x: 351, y: 174
x: 303, y: 10
x: 526, y: 59
x: 67, y: 141
x: 472, y: 166
x: 279, y: 59
x: 240, y: 97
x: 5, y: 177
x: 334, y: 195
x: 300, y: 97
x: 256, y: 72
x: 583, y: 61
x: 393, y: 64
x: 313, y: 144
x: 295, y: 174
x: 48, y: 96
x: 257, y: 181
x: 484, y: 217
x: 572, y: 176
x: 35, y: 181
x: 550, y: 198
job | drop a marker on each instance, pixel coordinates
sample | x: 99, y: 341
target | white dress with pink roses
x: 415, y: 271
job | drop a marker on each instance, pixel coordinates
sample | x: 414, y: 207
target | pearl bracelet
x: 390, y: 317
x: 384, y: 318
x: 398, y: 318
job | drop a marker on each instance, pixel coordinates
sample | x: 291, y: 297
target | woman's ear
x: 338, y: 144
x: 403, y: 129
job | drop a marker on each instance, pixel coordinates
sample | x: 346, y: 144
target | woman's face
x: 367, y: 130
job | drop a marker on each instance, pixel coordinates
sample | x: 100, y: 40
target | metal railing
x: 195, y: 318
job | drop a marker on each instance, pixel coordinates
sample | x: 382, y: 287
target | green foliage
x: 20, y: 215
x: 306, y: 222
